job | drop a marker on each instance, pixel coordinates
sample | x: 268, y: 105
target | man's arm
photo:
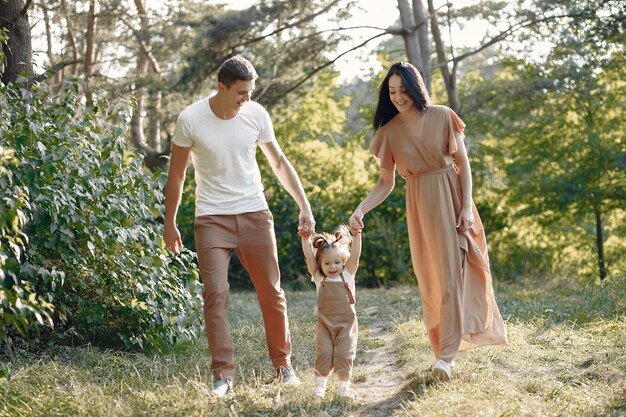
x: 289, y: 179
x: 173, y: 193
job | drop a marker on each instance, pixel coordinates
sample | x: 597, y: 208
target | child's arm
x: 311, y: 262
x: 353, y: 261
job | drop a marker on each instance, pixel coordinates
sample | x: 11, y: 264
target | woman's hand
x: 465, y: 219
x: 356, y: 221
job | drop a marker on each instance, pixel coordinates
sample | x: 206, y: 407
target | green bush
x: 19, y: 302
x: 94, y: 245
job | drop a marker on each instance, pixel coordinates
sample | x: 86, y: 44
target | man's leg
x: 213, y: 236
x: 258, y: 254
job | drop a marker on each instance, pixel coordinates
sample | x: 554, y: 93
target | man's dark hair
x: 235, y: 69
x: 414, y: 86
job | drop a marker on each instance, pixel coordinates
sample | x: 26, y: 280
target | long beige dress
x: 459, y: 306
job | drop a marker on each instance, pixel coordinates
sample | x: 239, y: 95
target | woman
x: 448, y: 247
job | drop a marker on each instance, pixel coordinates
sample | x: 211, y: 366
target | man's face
x: 237, y: 94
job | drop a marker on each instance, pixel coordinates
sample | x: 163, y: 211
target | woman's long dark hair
x: 414, y: 86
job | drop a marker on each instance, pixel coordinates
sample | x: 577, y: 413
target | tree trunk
x: 146, y: 63
x: 17, y: 50
x: 600, y: 244
x: 154, y: 121
x: 409, y: 34
x: 58, y: 75
x: 421, y: 20
x: 71, y: 39
x: 90, y: 42
x: 449, y: 77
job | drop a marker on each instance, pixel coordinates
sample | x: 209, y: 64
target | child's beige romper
x: 337, y: 329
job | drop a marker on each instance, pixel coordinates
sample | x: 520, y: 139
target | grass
x: 566, y: 357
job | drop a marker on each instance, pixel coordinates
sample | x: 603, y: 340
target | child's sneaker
x: 345, y: 391
x: 287, y: 376
x: 320, y: 386
x: 221, y: 387
x: 442, y: 371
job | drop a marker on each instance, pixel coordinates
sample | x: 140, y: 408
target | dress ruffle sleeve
x: 381, y: 149
x: 455, y: 127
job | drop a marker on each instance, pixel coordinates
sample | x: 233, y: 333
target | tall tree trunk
x: 600, y: 244
x: 58, y: 75
x: 146, y: 63
x: 449, y: 77
x: 18, y: 49
x: 154, y: 121
x: 71, y: 39
x: 90, y: 44
x: 421, y: 20
x: 409, y: 34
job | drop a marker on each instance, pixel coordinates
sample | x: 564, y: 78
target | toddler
x: 332, y: 265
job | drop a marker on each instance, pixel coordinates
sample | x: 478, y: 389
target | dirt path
x: 381, y: 391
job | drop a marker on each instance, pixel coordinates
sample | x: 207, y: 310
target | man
x: 221, y: 133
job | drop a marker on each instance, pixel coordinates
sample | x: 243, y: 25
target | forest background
x: 91, y: 91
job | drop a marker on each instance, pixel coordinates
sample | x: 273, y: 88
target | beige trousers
x: 337, y: 331
x: 252, y: 236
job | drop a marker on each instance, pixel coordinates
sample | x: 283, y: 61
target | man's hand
x: 172, y: 239
x: 306, y: 223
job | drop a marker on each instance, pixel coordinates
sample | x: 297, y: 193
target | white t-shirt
x: 223, y: 153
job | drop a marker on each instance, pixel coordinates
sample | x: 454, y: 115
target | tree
x: 554, y: 140
x: 17, y: 49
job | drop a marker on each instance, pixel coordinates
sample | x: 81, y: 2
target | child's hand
x: 356, y: 221
x: 306, y: 224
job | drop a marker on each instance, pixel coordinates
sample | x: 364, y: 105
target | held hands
x: 356, y: 222
x: 172, y: 239
x: 465, y: 220
x: 306, y: 224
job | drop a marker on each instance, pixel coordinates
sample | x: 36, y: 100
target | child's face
x: 331, y: 263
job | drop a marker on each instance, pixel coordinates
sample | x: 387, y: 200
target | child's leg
x: 323, y: 350
x: 345, y: 349
x: 323, y: 357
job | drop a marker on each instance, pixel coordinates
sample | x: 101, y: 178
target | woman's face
x: 398, y: 94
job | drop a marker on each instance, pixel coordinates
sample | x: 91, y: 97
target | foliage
x: 553, y: 155
x: 19, y: 302
x: 94, y: 248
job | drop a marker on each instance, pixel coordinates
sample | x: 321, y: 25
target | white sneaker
x: 442, y: 371
x: 287, y: 376
x: 345, y: 391
x: 320, y: 386
x: 221, y: 387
